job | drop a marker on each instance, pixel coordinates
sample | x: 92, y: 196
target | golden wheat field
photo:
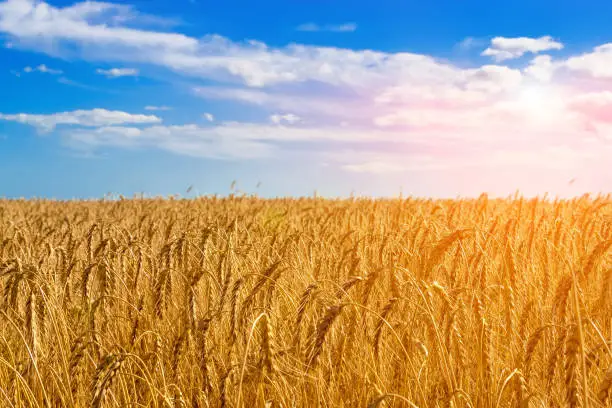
x: 241, y: 301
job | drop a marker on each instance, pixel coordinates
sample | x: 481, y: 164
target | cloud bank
x: 363, y: 110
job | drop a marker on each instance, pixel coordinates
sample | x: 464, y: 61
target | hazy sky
x: 439, y: 98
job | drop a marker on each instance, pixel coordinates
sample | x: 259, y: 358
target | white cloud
x: 450, y: 87
x: 491, y: 79
x: 503, y: 48
x: 386, y: 101
x: 118, y: 72
x: 157, y: 108
x: 88, y: 32
x: 378, y: 152
x: 419, y: 139
x: 93, y: 118
x: 98, y: 31
x: 338, y: 28
x: 43, y: 69
x: 597, y: 63
x: 542, y: 68
x: 209, y: 117
x: 88, y: 23
x: 288, y: 118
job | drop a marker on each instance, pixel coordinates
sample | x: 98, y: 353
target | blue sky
x: 428, y: 98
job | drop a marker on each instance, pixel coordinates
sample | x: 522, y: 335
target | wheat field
x: 246, y: 302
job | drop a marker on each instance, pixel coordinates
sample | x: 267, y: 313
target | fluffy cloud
x: 117, y: 72
x: 597, y: 63
x: 86, y: 22
x: 542, y: 68
x: 100, y: 31
x: 338, y: 28
x: 503, y: 48
x: 93, y: 118
x: 87, y: 30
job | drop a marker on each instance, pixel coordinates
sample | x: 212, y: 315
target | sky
x: 431, y: 99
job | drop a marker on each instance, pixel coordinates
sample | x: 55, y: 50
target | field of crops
x: 242, y: 301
